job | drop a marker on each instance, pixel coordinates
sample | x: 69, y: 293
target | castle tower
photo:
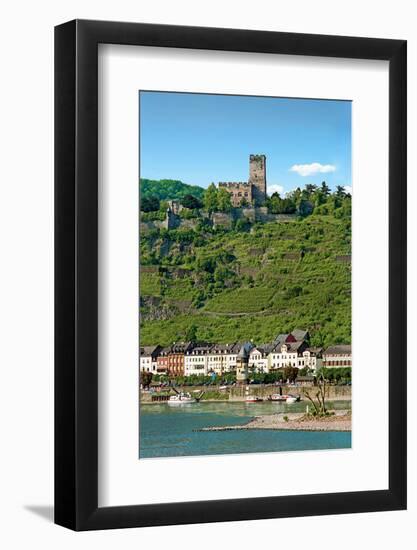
x: 242, y: 361
x: 171, y: 219
x: 257, y: 177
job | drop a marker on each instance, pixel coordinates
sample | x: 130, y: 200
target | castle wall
x: 172, y: 221
x: 175, y: 206
x: 222, y: 218
x: 149, y: 226
x: 249, y: 214
x: 188, y: 224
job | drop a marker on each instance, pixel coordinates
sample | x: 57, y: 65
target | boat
x: 181, y: 398
x: 292, y: 399
x: 253, y: 399
x: 277, y: 397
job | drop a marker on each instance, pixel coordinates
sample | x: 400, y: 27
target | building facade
x: 196, y: 360
x: 258, y: 359
x: 148, y: 358
x: 222, y: 358
x: 337, y: 356
x: 170, y: 360
x: 240, y: 191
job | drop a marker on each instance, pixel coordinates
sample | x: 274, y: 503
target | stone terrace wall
x: 221, y: 219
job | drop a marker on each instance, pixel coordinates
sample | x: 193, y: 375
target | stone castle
x: 248, y: 201
x: 252, y: 192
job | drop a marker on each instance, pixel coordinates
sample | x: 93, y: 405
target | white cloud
x: 313, y: 168
x: 275, y: 188
x: 348, y: 189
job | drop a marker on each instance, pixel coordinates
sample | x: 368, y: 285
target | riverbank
x: 339, y: 421
x: 238, y: 393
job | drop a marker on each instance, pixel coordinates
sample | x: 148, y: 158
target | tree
x: 305, y: 371
x: 191, y: 334
x: 288, y: 206
x: 191, y: 202
x: 310, y: 188
x: 145, y: 379
x: 274, y: 376
x: 207, y: 264
x: 325, y: 189
x: 319, y: 197
x: 294, y: 195
x: 222, y: 275
x: 149, y: 204
x: 242, y: 224
x: 329, y: 375
x: 320, y: 404
x: 319, y: 338
x: 210, y: 198
x: 347, y: 373
x: 224, y: 200
x: 290, y: 373
x: 305, y: 207
x: 276, y: 205
x: 168, y: 189
x: 340, y: 192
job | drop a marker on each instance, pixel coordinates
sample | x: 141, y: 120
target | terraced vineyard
x: 234, y: 285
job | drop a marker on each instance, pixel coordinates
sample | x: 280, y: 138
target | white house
x: 148, y: 358
x: 289, y: 354
x: 258, y: 359
x: 196, y: 360
x: 308, y: 359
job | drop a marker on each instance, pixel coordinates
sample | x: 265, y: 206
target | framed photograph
x: 230, y: 337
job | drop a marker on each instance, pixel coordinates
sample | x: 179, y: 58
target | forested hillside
x: 249, y: 283
x: 168, y: 189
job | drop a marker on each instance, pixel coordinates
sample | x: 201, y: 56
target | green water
x: 170, y: 431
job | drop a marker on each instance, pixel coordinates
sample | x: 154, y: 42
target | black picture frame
x: 76, y: 272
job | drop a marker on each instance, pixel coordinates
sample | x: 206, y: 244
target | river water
x: 167, y: 431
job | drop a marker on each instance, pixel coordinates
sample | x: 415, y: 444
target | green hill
x: 236, y: 285
x: 168, y: 189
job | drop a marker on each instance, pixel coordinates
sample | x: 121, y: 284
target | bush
x: 149, y: 204
x: 242, y: 225
x: 191, y: 202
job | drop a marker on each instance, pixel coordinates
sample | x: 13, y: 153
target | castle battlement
x: 233, y: 183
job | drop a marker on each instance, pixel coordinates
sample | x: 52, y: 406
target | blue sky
x: 202, y: 138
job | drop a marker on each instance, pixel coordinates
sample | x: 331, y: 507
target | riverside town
x: 245, y: 360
